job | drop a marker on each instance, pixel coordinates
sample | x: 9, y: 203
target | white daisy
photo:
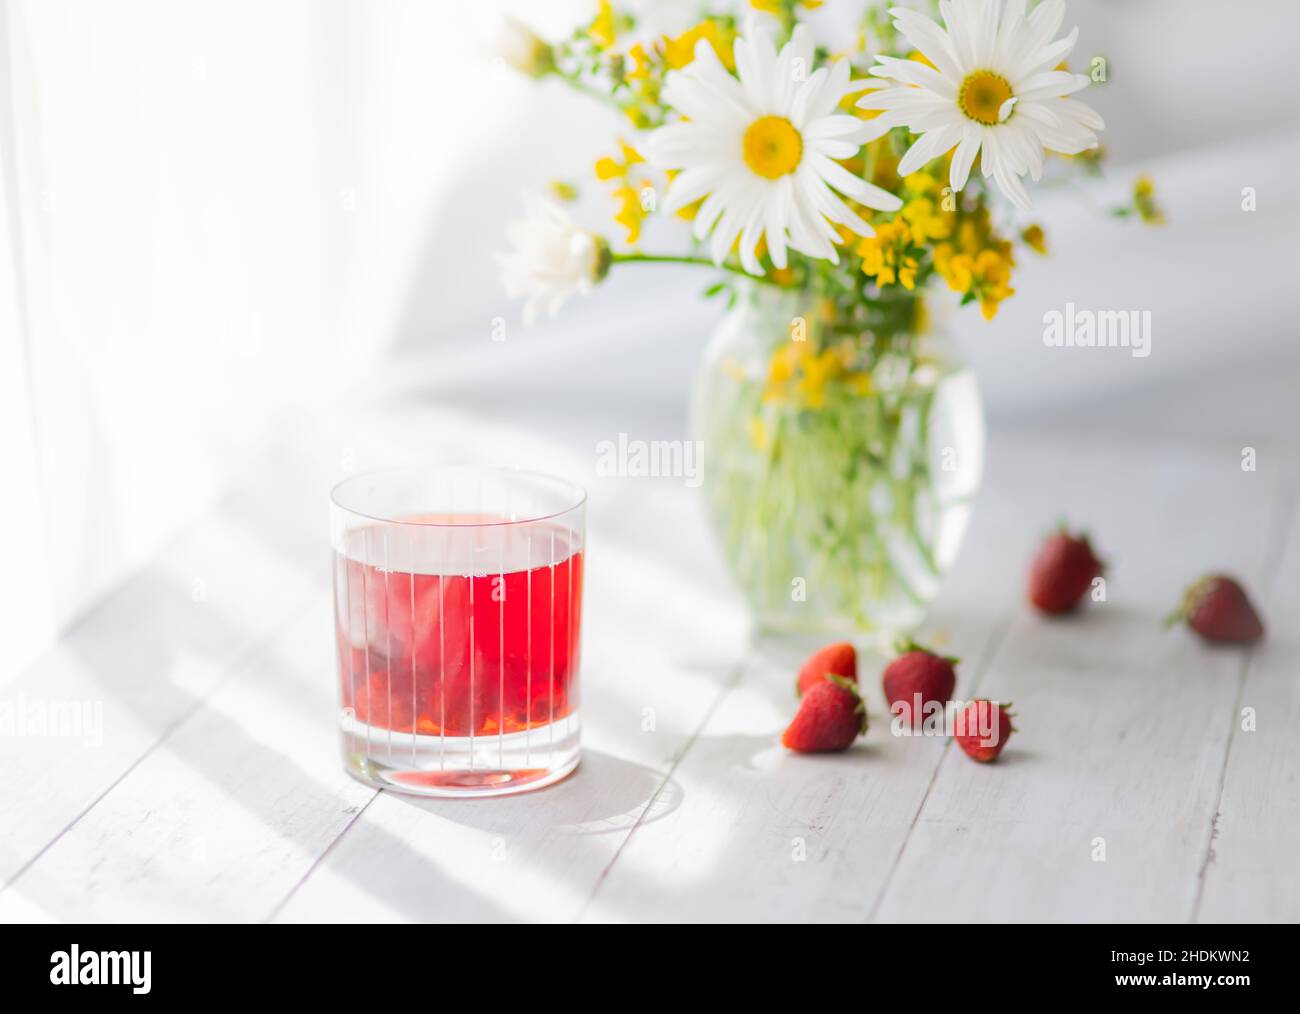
x: 553, y: 258
x: 761, y: 150
x: 993, y: 90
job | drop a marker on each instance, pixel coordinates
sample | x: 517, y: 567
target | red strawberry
x: 1217, y: 608
x: 918, y: 671
x: 1062, y: 572
x: 830, y: 717
x: 983, y: 728
x: 834, y: 659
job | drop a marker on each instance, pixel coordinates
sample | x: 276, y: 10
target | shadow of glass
x: 605, y: 795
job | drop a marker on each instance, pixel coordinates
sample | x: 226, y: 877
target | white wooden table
x: 216, y: 792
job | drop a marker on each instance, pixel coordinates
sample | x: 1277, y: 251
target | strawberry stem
x: 905, y: 644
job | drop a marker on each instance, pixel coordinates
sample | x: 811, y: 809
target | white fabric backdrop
x: 215, y: 211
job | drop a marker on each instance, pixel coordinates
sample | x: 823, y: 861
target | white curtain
x: 210, y: 212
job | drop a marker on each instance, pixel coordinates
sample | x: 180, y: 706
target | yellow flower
x: 758, y: 434
x: 631, y: 212
x: 800, y: 375
x: 1144, y: 200
x: 601, y: 29
x: 630, y: 155
x: 953, y: 268
x: 680, y: 51
x: 1035, y: 239
x: 920, y: 183
x: 609, y: 168
x: 885, y: 255
x: 978, y: 265
x: 992, y: 273
x: 781, y: 369
x: 926, y: 223
x: 818, y: 370
x: 640, y: 68
x: 563, y: 190
x: 640, y: 63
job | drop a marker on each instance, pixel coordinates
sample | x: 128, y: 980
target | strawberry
x: 918, y: 671
x: 830, y: 717
x: 983, y: 728
x: 1062, y: 571
x: 835, y: 659
x: 1218, y: 609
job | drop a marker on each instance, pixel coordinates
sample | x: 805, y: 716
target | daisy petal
x: 964, y: 157
x: 1050, y: 58
x: 913, y: 73
x: 1044, y: 22
x: 997, y: 164
x: 930, y: 40
x: 1051, y: 84
x: 1013, y: 17
x: 929, y: 146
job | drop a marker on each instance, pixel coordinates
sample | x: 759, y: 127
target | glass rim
x: 577, y: 493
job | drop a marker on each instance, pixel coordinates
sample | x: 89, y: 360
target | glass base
x: 462, y: 766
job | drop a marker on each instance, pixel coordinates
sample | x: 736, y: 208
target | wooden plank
x: 1123, y: 724
x: 226, y: 814
x: 1250, y: 872
x: 134, y: 667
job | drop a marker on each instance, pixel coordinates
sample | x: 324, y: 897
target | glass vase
x: 841, y: 460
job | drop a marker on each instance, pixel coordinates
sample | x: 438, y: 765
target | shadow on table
x: 606, y: 795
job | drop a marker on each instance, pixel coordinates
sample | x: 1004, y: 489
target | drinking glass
x: 458, y: 607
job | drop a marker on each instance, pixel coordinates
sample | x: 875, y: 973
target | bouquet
x: 835, y: 183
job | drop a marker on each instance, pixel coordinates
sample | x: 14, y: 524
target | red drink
x: 471, y: 630
x: 458, y: 598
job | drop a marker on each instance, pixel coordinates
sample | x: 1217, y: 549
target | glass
x: 457, y: 605
x: 841, y: 469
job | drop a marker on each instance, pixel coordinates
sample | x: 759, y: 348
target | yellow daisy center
x: 982, y: 96
x: 773, y: 147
